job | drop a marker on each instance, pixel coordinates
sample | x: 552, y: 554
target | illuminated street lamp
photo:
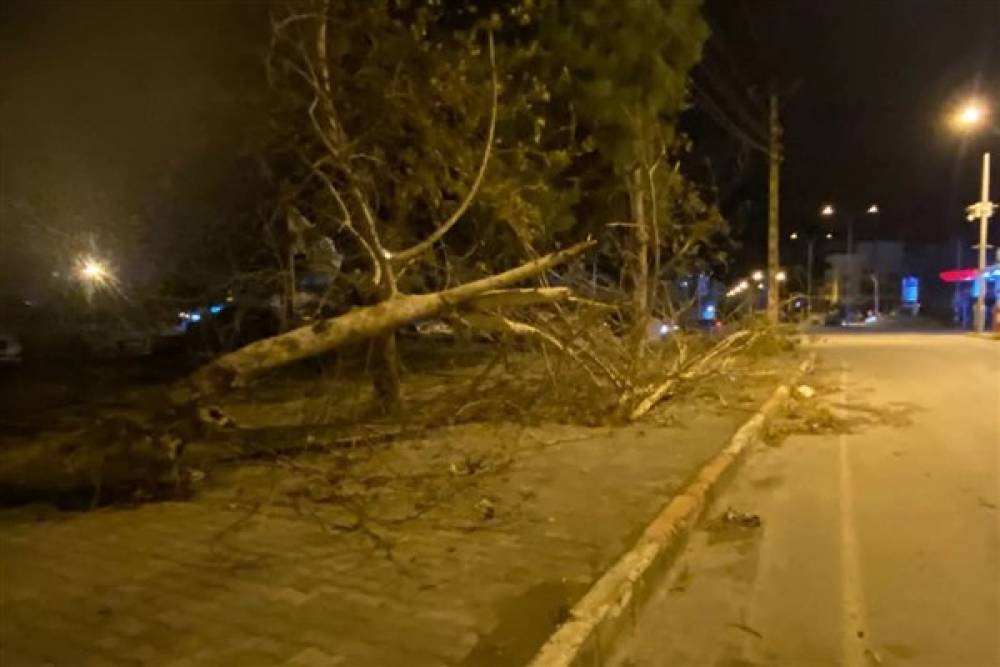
x: 827, y: 211
x: 829, y: 236
x: 781, y: 277
x: 972, y: 116
x: 93, y: 275
x: 794, y: 236
x: 757, y: 276
x: 93, y: 270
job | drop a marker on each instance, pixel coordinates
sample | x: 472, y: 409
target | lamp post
x: 828, y: 211
x: 810, y: 247
x: 972, y: 116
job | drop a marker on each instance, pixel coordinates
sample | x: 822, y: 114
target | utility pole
x: 983, y: 210
x: 809, y: 276
x: 773, y: 260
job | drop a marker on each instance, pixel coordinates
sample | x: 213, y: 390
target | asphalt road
x: 877, y: 547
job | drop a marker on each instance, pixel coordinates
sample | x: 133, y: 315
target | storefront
x: 967, y: 292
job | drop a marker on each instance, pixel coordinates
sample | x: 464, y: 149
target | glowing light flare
x: 827, y: 210
x: 794, y: 236
x: 969, y: 115
x: 93, y: 270
x: 781, y: 276
x: 757, y: 276
x: 873, y: 209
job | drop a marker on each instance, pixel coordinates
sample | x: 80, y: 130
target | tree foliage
x: 440, y: 142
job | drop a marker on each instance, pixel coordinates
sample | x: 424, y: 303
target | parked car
x: 10, y: 348
x: 116, y: 340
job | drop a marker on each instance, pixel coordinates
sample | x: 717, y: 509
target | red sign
x: 959, y: 275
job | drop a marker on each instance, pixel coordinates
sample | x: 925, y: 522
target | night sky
x: 116, y: 119
x: 867, y: 89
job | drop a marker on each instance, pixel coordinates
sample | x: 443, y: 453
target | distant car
x: 835, y: 317
x: 117, y: 340
x: 659, y: 329
x: 10, y: 348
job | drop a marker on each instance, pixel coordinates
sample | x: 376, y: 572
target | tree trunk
x: 640, y: 260
x: 357, y: 325
x: 385, y: 372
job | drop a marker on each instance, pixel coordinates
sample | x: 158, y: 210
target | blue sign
x: 911, y: 289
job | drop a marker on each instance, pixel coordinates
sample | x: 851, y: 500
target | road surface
x: 878, y: 547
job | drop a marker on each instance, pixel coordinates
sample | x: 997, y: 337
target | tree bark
x: 640, y: 260
x: 359, y: 324
x: 385, y: 372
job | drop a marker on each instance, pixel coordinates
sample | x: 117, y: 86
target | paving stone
x: 179, y: 584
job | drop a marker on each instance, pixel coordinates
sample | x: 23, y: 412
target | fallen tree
x: 360, y: 324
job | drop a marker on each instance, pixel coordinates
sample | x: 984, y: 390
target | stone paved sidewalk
x: 229, y: 579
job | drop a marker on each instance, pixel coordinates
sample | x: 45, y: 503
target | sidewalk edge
x: 613, y: 602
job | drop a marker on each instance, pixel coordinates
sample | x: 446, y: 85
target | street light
x: 972, y: 116
x: 829, y: 236
x: 92, y: 271
x: 781, y: 277
x: 794, y: 236
x: 757, y: 276
x: 827, y: 211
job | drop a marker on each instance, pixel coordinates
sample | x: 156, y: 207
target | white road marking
x: 852, y: 599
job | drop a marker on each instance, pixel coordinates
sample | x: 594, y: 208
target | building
x: 868, y: 278
x: 965, y: 292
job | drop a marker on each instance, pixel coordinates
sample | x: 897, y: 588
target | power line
x: 747, y: 113
x: 715, y: 111
x: 737, y: 115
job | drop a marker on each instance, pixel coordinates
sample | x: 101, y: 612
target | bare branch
x: 381, y: 256
x: 405, y: 256
x: 326, y: 90
x: 347, y: 222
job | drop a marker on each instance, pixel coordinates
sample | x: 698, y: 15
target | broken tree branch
x: 357, y: 325
x: 700, y: 364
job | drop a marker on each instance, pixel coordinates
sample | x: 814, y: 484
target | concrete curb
x: 613, y: 602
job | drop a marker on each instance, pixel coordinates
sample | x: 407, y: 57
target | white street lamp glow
x: 93, y: 270
x: 970, y: 115
x: 829, y: 236
x: 781, y: 277
x: 794, y: 236
x: 873, y: 208
x: 827, y: 210
x: 757, y: 276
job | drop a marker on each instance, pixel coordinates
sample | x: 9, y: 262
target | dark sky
x: 110, y: 111
x: 115, y: 117
x: 867, y: 86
